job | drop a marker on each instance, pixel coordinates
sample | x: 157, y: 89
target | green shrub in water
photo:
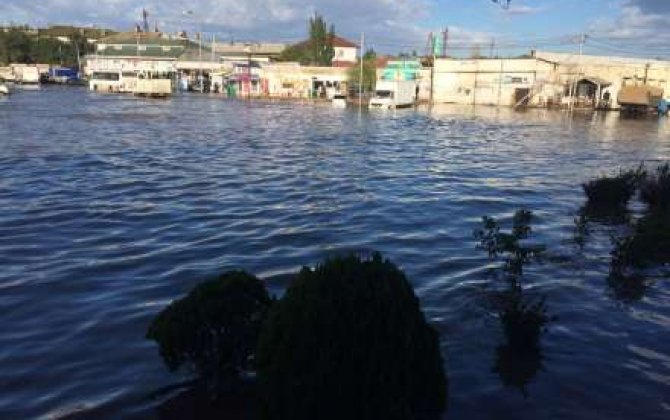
x: 612, y: 191
x: 349, y: 341
x: 655, y: 189
x: 524, y: 323
x: 648, y: 245
x: 509, y: 246
x: 214, y: 329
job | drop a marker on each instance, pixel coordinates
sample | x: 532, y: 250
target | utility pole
x: 646, y: 72
x: 200, y: 78
x: 360, y: 81
x: 249, y: 72
x: 432, y: 68
x: 582, y: 41
x: 500, y: 80
x: 493, y: 46
x: 213, y: 46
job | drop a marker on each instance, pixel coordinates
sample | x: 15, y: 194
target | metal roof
x: 596, y: 81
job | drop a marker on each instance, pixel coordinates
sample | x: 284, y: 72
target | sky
x: 613, y: 27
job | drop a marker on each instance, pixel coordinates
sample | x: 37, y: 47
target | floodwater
x: 112, y: 206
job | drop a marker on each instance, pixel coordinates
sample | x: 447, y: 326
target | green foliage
x: 613, y: 191
x: 524, y: 322
x: 523, y: 319
x: 369, y: 74
x: 214, y: 329
x: 349, y: 341
x: 649, y: 244
x: 370, y: 54
x: 318, y: 49
x: 625, y: 287
x: 516, y: 254
x: 655, y: 189
x: 18, y: 46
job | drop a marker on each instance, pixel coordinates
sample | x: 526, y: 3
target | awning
x: 596, y: 81
x: 244, y: 77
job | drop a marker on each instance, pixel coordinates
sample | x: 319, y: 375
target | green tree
x: 348, y: 341
x: 18, y: 46
x: 369, y: 72
x: 214, y: 329
x: 318, y: 49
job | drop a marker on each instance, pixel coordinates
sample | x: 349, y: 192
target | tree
x: 18, y: 46
x: 369, y: 72
x: 349, y: 341
x: 318, y: 49
x: 214, y: 329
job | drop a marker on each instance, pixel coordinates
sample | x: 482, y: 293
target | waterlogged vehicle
x: 394, y: 94
x: 639, y: 99
x: 339, y: 101
x: 153, y: 84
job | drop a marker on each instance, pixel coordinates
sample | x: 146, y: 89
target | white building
x: 544, y: 79
x: 346, y: 52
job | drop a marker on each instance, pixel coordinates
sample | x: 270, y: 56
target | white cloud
x: 639, y: 29
x: 523, y: 9
x: 389, y: 25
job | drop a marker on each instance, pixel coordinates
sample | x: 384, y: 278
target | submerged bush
x: 655, y: 189
x: 649, y: 244
x: 518, y: 369
x: 349, y: 341
x: 612, y: 191
x: 510, y: 245
x: 524, y: 322
x: 627, y: 288
x: 214, y: 329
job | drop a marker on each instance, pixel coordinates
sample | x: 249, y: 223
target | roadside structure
x: 544, y: 79
x: 291, y: 80
x: 135, y: 51
x: 346, y: 52
x: 262, y: 52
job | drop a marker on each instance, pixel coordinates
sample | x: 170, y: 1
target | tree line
x: 19, y: 46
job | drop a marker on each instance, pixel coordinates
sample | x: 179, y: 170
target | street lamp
x: 190, y: 14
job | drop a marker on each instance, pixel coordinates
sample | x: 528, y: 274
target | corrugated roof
x: 158, y: 51
x: 146, y: 38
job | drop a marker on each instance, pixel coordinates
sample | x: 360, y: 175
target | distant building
x: 240, y: 51
x: 132, y: 51
x: 544, y: 80
x: 346, y: 52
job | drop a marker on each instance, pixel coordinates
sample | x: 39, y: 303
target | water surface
x: 112, y: 206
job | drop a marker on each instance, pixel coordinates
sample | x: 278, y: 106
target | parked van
x: 394, y: 94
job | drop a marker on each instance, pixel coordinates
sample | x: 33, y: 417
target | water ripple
x: 113, y: 206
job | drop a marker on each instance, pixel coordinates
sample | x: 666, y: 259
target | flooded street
x: 112, y: 206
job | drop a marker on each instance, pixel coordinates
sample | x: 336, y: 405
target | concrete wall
x: 489, y: 81
x: 346, y: 54
x: 619, y: 71
x: 548, y: 76
x: 99, y: 63
x: 294, y: 80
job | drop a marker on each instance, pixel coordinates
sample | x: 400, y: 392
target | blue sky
x: 638, y: 27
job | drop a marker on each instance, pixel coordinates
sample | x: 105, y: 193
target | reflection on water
x: 112, y: 206
x: 518, y: 369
